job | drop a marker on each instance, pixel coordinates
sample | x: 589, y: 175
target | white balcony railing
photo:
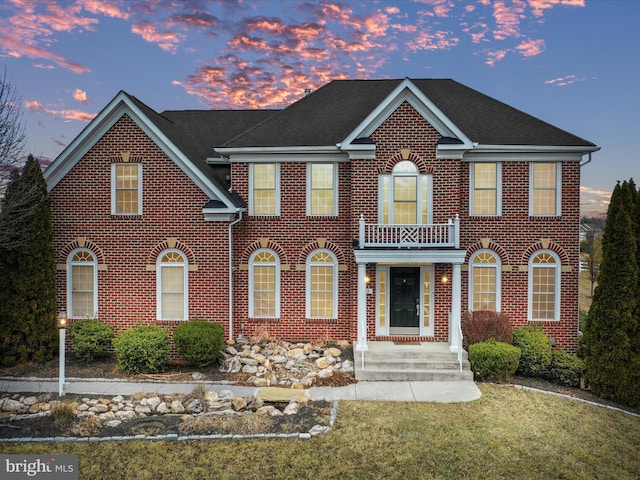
x: 437, y: 235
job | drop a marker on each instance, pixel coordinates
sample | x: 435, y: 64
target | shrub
x: 536, y: 351
x: 566, y: 369
x: 199, y: 342
x: 142, y: 350
x: 91, y: 339
x: 486, y: 325
x: 493, y: 360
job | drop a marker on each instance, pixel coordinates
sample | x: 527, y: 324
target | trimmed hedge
x: 91, y: 339
x: 493, y: 361
x: 142, y: 350
x: 536, y: 351
x: 566, y: 369
x: 199, y: 342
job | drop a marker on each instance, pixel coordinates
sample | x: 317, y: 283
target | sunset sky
x: 573, y: 63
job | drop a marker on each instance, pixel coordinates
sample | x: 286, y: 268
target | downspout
x: 231, y: 274
x: 588, y: 161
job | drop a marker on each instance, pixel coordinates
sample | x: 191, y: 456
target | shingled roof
x: 328, y: 115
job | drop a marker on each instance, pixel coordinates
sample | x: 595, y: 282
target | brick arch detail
x: 271, y: 245
x: 398, y: 157
x: 164, y: 245
x: 88, y: 245
x: 337, y: 251
x: 502, y: 253
x: 554, y: 247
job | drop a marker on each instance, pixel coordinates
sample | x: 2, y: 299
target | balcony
x: 434, y: 235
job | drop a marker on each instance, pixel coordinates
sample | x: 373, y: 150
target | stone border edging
x: 178, y: 438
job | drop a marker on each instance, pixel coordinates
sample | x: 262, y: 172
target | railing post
x: 456, y: 233
x: 361, y: 232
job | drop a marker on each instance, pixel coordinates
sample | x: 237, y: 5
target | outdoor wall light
x: 444, y: 278
x: 61, y: 321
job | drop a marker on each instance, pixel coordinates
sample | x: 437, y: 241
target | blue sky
x: 572, y: 63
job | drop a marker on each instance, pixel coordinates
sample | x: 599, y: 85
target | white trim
x: 185, y: 279
x: 430, y: 330
x: 521, y: 156
x: 472, y: 180
x: 114, y: 189
x: 120, y: 105
x: 277, y: 191
x: 558, y: 269
x: 540, y: 149
x: 558, y: 209
x: 246, y: 154
x: 409, y: 256
x: 277, y: 267
x: 70, y: 265
x: 498, y: 268
x: 309, y: 179
x: 294, y: 156
x: 409, y: 92
x: 308, y: 266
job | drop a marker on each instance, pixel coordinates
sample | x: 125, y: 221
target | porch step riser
x: 414, y: 375
x: 396, y: 364
x: 409, y: 356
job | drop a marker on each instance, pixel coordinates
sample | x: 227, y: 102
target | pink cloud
x: 16, y: 48
x: 495, y: 57
x: 539, y: 6
x: 567, y: 80
x: 80, y: 95
x: 531, y: 48
x: 104, y: 7
x: 166, y: 40
x: 34, y: 106
x: 507, y: 18
x: 433, y: 41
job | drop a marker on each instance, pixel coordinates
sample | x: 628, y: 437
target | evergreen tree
x: 611, y: 344
x: 28, y: 284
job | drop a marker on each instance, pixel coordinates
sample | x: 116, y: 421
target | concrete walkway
x: 432, y: 391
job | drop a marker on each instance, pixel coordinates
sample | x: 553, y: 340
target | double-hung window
x: 322, y: 285
x: 126, y: 189
x: 82, y: 284
x: 404, y: 196
x: 544, y: 286
x: 172, y: 280
x: 545, y: 192
x: 264, y: 186
x: 485, y: 188
x: 322, y: 191
x: 264, y: 285
x: 484, y: 281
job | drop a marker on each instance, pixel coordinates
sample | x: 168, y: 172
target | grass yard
x: 508, y: 433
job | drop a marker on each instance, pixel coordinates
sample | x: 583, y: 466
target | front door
x: 405, y: 301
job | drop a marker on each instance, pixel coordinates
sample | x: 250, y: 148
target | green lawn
x: 508, y: 433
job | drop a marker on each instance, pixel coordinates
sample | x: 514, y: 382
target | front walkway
x: 409, y: 391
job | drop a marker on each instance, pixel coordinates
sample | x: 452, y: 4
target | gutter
x: 231, y: 274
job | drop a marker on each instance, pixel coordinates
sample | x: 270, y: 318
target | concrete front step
x: 387, y: 361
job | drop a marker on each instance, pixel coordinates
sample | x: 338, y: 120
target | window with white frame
x: 264, y: 284
x: 126, y: 189
x: 264, y: 186
x: 405, y: 196
x: 484, y: 281
x: 486, y: 188
x: 544, y: 286
x: 545, y: 191
x: 322, y: 189
x: 322, y: 285
x: 82, y: 284
x: 172, y: 282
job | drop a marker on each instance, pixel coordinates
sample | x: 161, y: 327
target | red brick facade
x: 127, y: 247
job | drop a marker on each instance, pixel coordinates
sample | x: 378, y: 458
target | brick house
x: 368, y: 210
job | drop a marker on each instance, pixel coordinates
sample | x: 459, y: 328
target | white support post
x: 361, y: 344
x: 456, y: 308
x: 361, y: 232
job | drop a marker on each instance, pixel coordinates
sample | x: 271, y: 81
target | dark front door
x: 405, y: 301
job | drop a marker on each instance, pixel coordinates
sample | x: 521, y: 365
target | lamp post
x: 62, y: 328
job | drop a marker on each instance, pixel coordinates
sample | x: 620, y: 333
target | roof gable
x: 166, y: 134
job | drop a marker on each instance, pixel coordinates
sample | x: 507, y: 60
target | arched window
x: 484, y: 281
x: 322, y: 285
x: 172, y: 283
x: 264, y: 284
x: 82, y: 284
x: 405, y: 196
x: 544, y: 286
